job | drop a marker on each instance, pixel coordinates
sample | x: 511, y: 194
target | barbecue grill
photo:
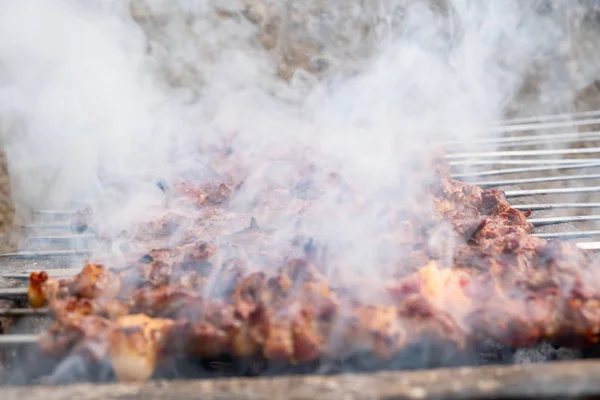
x: 544, y: 164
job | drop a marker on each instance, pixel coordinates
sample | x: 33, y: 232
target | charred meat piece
x: 35, y: 291
x: 43, y: 289
x: 207, y: 195
x: 464, y: 267
x: 136, y: 344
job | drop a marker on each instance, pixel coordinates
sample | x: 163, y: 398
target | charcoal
x: 541, y: 353
x: 565, y: 353
x: 490, y: 351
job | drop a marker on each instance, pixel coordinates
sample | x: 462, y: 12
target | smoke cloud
x: 99, y: 100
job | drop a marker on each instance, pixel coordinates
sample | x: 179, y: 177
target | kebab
x: 504, y: 284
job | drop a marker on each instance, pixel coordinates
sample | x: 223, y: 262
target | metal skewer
x: 538, y: 192
x: 44, y: 254
x: 553, y: 206
x: 23, y: 312
x: 567, y: 235
x: 524, y: 127
x: 547, y: 118
x: 49, y: 225
x: 525, y: 153
x: 19, y: 292
x: 57, y: 238
x: 510, y: 182
x: 507, y: 171
x: 549, y: 161
x: 562, y: 220
x: 55, y: 212
x: 526, y: 140
x: 57, y: 273
x: 589, y: 245
x: 14, y: 339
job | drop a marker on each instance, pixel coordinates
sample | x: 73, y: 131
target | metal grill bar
x: 567, y: 235
x: 525, y: 153
x: 548, y: 118
x: 589, y: 245
x: 44, y: 254
x: 549, y: 161
x: 57, y: 225
x: 7, y: 293
x: 55, y: 212
x: 511, y: 182
x: 55, y: 238
x: 15, y: 339
x: 23, y: 312
x: 541, y: 192
x: 528, y: 140
x: 509, y: 171
x: 562, y: 220
x: 554, y: 206
x: 544, y: 125
x: 53, y: 273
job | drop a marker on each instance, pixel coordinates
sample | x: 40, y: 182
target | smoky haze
x: 97, y: 105
x: 327, y: 110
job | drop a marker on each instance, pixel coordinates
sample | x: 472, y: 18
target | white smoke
x: 95, y: 108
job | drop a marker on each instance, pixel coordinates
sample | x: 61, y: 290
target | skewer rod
x: 589, y: 245
x: 553, y: 206
x: 61, y: 237
x: 549, y: 161
x: 553, y: 117
x: 548, y: 139
x: 55, y: 212
x: 53, y: 273
x: 537, y: 192
x: 13, y: 339
x: 59, y: 225
x: 509, y: 182
x: 567, y: 235
x: 43, y: 254
x: 23, y: 312
x: 525, y: 153
x: 562, y: 220
x: 13, y: 292
x: 527, y: 139
x: 508, y: 171
x: 544, y: 125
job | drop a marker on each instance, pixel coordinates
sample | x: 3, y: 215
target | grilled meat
x: 471, y: 270
x: 135, y: 345
x: 36, y: 293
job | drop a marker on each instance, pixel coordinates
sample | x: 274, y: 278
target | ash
x: 545, y: 352
x: 490, y: 352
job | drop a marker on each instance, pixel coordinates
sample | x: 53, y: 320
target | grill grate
x: 542, y: 168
